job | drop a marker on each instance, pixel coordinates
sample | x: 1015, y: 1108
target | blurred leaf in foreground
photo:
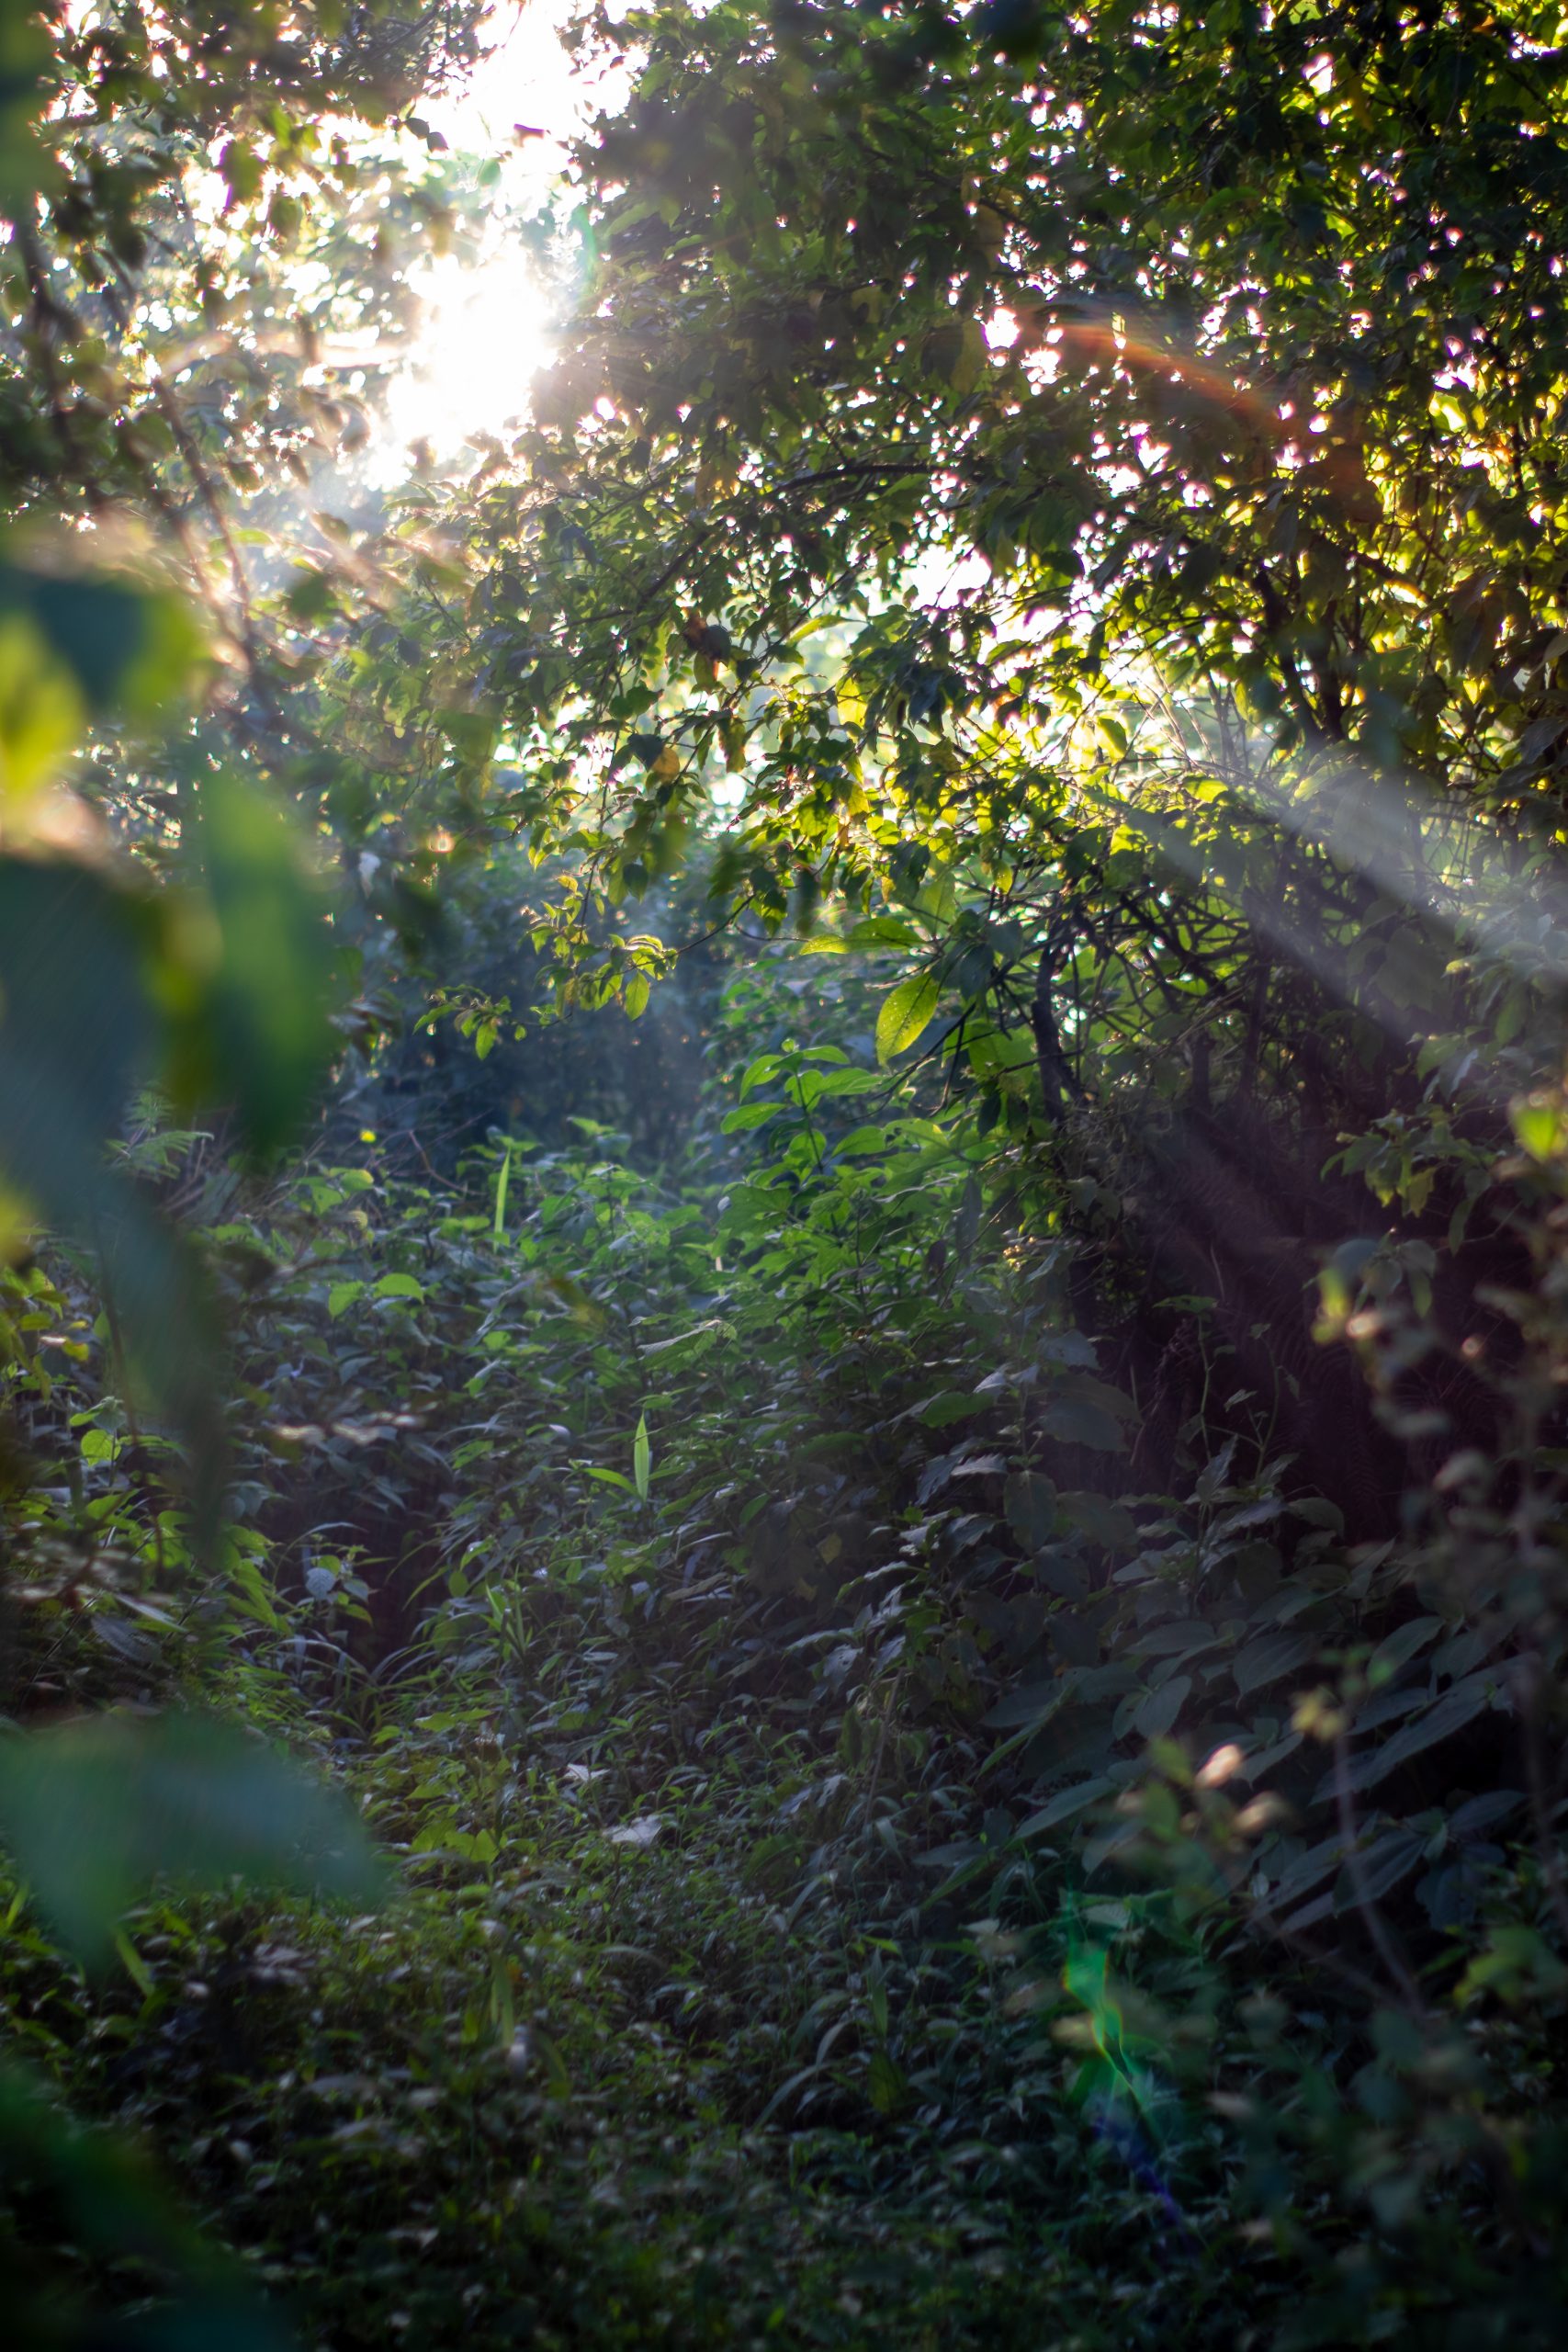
x: 75, y: 646
x: 254, y: 1031
x: 113, y: 2203
x: 96, y: 1812
x: 76, y: 1030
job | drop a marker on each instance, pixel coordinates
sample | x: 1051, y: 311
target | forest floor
x: 618, y: 2068
x: 727, y: 1990
x: 640, y: 2051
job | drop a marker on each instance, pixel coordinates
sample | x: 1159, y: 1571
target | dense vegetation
x: 785, y: 1188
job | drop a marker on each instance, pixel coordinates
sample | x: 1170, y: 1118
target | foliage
x: 728, y: 1743
x: 923, y: 1501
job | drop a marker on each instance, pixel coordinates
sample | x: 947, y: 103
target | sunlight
x: 484, y: 333
x: 525, y: 81
x: 483, y: 337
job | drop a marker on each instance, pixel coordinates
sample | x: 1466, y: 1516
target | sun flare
x: 485, y: 325
x: 484, y: 336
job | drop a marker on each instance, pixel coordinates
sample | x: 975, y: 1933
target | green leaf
x: 25, y: 84
x: 880, y: 931
x: 1537, y: 1120
x: 1082, y: 1420
x: 96, y: 1813
x: 1030, y: 1501
x: 1157, y: 1712
x: 860, y: 1141
x: 1036, y: 1703
x: 400, y: 1287
x: 77, y: 1024
x: 254, y: 1029
x: 75, y: 645
x: 1400, y: 1647
x: 1062, y: 1806
x: 341, y: 1298
x: 1270, y: 1657
x: 1381, y: 1867
x: 888, y: 2086
x: 814, y: 1085
x: 1456, y: 1708
x: 939, y: 1412
x: 642, y: 1457
x: 76, y: 1028
x: 503, y: 1177
x: 906, y: 1014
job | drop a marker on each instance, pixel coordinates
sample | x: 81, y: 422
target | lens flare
x: 485, y: 336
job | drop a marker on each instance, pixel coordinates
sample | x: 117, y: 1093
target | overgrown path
x: 646, y: 2053
x: 755, y: 1972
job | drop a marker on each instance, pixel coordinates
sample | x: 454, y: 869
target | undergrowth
x: 869, y: 1873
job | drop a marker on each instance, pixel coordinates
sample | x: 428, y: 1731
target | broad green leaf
x: 1036, y: 1703
x: 1268, y: 1657
x: 1082, y: 1420
x: 642, y: 1457
x: 399, y: 1286
x: 24, y: 58
x: 949, y: 1404
x: 1456, y: 1708
x: 1538, y: 1122
x: 42, y: 713
x: 1380, y: 1868
x: 76, y: 645
x: 341, y: 1298
x: 859, y: 1142
x: 1062, y: 1806
x: 1181, y: 1639
x: 1478, y: 1814
x: 814, y: 1086
x: 1400, y: 1647
x: 1029, y: 1499
x: 906, y: 1014
x: 77, y: 1025
x: 76, y: 1028
x: 882, y: 930
x: 1157, y: 1712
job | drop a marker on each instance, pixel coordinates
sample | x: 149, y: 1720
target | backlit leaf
x: 906, y: 1014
